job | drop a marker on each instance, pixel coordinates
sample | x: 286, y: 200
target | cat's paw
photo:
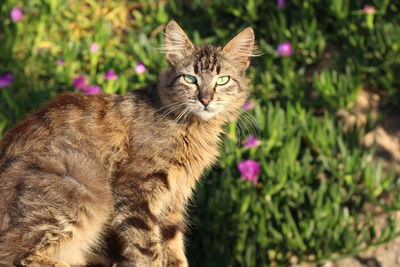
x: 175, y: 258
x: 144, y: 256
x: 39, y: 261
x: 177, y: 263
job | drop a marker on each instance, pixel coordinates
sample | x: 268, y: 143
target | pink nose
x: 205, y: 101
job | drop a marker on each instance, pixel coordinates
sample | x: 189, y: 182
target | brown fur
x: 99, y: 179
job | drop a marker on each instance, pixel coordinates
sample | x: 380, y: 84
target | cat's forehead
x: 207, y: 59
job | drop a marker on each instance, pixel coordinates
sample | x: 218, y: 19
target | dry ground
x: 387, y: 138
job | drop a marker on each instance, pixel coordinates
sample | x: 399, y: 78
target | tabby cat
x: 98, y: 179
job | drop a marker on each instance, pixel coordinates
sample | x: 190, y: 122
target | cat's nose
x: 205, y: 101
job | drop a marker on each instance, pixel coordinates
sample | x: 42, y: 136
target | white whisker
x: 169, y: 106
x: 176, y: 121
x: 252, y: 121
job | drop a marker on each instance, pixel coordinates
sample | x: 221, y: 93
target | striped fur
x: 99, y: 179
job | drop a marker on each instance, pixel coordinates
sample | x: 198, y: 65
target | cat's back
x: 69, y: 121
x: 53, y: 177
x: 73, y: 133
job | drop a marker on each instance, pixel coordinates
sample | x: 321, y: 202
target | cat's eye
x: 223, y: 80
x: 189, y: 78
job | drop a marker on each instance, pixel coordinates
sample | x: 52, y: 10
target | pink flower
x: 16, y: 14
x: 285, y: 49
x: 6, y: 80
x: 93, y: 89
x: 140, y: 68
x: 80, y: 82
x: 110, y: 75
x: 368, y: 9
x: 252, y: 141
x: 94, y: 47
x: 248, y: 105
x: 249, y: 170
x: 281, y: 3
x: 60, y: 61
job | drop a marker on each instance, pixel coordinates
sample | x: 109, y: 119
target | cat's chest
x: 182, y: 157
x: 191, y: 156
x: 196, y: 151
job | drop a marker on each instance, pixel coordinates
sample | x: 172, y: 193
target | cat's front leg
x: 141, y: 236
x: 172, y: 233
x: 144, y: 254
x: 138, y: 207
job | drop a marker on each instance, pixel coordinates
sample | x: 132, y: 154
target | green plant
x: 316, y: 180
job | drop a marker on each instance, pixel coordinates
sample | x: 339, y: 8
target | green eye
x: 190, y: 78
x: 223, y: 80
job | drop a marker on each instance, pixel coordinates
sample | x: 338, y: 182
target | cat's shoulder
x: 78, y: 100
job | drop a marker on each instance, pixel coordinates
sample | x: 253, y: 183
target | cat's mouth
x: 205, y: 112
x: 206, y: 115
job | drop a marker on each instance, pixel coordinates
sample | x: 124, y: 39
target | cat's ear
x: 177, y: 44
x: 241, y: 46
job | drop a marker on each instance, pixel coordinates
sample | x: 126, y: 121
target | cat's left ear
x: 241, y: 46
x: 177, y: 44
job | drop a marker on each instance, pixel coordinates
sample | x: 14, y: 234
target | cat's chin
x: 205, y: 115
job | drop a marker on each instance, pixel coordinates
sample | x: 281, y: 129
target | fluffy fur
x: 100, y: 179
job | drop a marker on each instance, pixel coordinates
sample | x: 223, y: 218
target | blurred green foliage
x: 315, y: 181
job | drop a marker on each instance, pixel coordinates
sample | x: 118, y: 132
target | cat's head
x: 205, y: 80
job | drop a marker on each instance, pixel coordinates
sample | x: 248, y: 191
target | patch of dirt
x: 386, y: 137
x: 386, y: 134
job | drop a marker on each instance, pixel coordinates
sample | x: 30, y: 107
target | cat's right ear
x: 177, y: 44
x: 240, y: 48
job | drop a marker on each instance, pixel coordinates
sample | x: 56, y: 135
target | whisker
x: 252, y: 122
x: 242, y: 120
x: 253, y: 119
x: 241, y: 123
x: 177, y: 118
x: 170, y: 108
x: 169, y: 111
x: 167, y: 106
x: 239, y: 131
x: 176, y: 121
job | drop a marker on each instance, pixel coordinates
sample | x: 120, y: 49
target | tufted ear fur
x: 241, y: 46
x: 177, y: 44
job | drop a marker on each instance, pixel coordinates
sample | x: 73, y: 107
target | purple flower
x: 94, y: 47
x: 110, y: 75
x: 80, y: 82
x: 368, y: 9
x: 252, y: 141
x: 140, y: 68
x: 93, y: 89
x: 281, y: 3
x: 16, y: 14
x: 6, y: 80
x: 249, y: 170
x: 60, y: 61
x: 285, y: 49
x: 248, y: 105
